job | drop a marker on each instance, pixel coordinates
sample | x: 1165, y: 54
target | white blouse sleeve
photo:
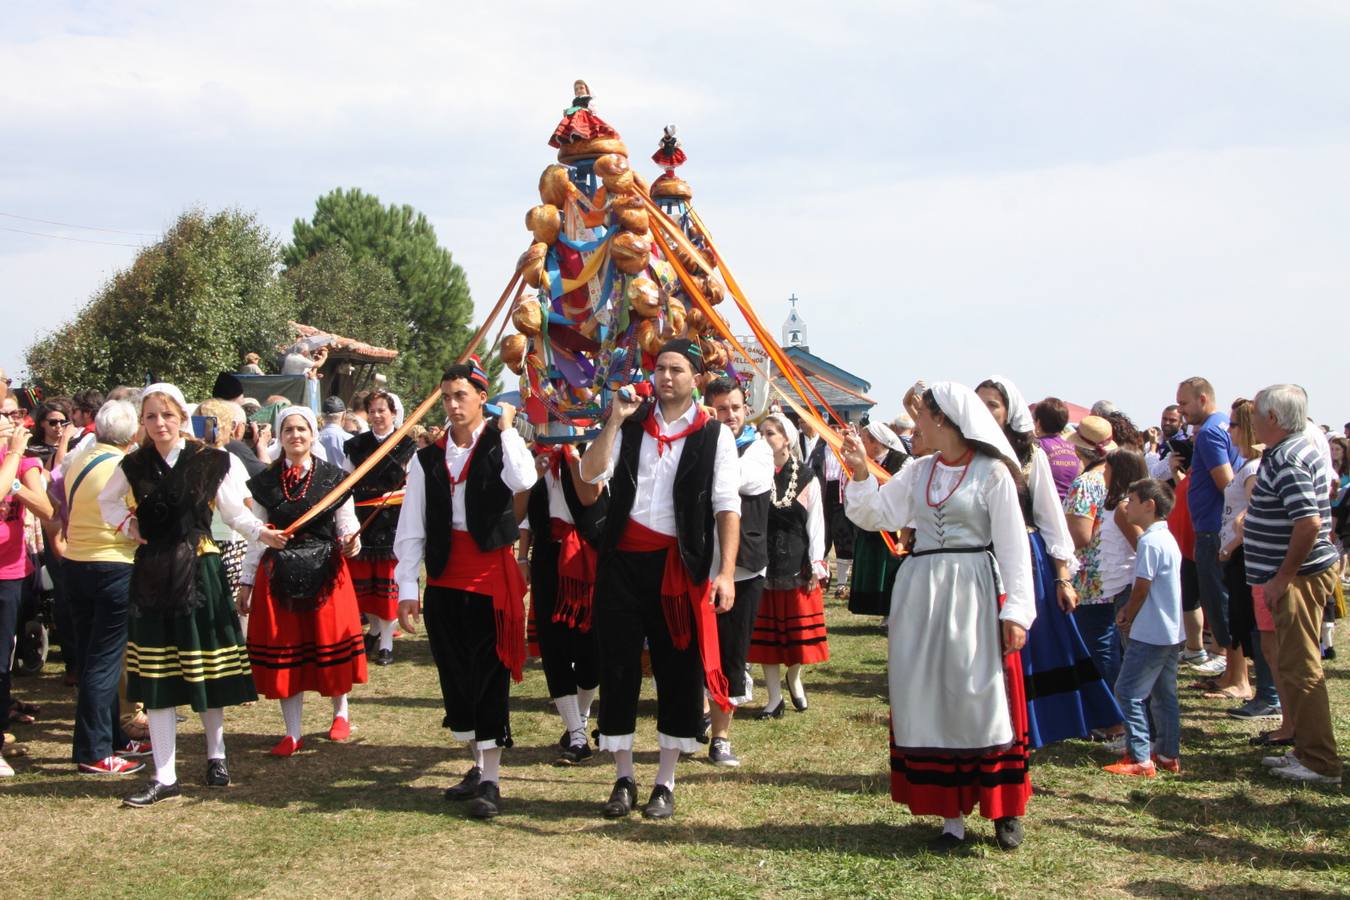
x: 815, y: 525
x: 410, y: 540
x: 254, y: 552
x: 112, y: 501
x: 884, y: 508
x: 347, y: 523
x: 1011, y: 548
x: 613, y: 463
x: 230, y: 497
x: 518, y: 471
x: 1046, y: 509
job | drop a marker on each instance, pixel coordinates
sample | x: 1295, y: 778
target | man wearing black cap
x: 673, y: 476
x: 458, y: 517
x: 228, y: 387
x: 331, y: 435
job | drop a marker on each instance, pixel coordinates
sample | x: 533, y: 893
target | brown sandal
x: 1228, y: 693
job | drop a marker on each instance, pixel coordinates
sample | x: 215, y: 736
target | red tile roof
x: 346, y: 346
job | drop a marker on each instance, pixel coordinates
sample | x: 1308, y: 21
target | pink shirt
x: 14, y: 559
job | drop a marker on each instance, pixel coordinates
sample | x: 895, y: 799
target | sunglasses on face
x: 55, y: 422
x: 15, y: 414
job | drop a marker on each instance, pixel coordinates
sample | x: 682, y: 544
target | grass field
x: 806, y: 815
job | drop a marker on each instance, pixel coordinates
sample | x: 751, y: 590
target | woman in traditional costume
x: 959, y: 615
x: 1066, y: 697
x: 372, y: 569
x: 304, y: 627
x: 184, y: 644
x: 874, y: 565
x: 578, y: 123
x: 790, y: 628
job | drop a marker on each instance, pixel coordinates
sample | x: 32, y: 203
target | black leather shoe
x: 371, y: 641
x: 946, y: 843
x: 566, y: 740
x: 799, y: 703
x: 621, y: 800
x: 216, y: 773
x: 706, y: 734
x: 1008, y: 832
x: 467, y: 788
x: 775, y: 713
x: 384, y: 658
x: 576, y: 754
x: 661, y: 805
x: 153, y: 793
x: 488, y: 801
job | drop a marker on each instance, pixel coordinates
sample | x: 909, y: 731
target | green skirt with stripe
x: 873, y: 575
x: 196, y: 659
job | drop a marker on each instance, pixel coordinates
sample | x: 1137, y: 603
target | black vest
x: 789, y: 548
x: 692, y: 493
x: 753, y: 552
x: 488, y: 512
x: 173, y: 513
x: 377, y: 541
x: 894, y: 460
x: 589, y: 520
x: 300, y: 576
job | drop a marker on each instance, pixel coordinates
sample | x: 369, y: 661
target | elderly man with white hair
x: 1287, y: 536
x: 98, y: 564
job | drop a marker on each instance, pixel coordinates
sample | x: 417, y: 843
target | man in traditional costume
x: 673, y: 477
x: 458, y: 517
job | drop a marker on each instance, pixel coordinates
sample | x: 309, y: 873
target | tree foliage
x: 187, y: 308
x: 356, y: 298
x: 432, y: 284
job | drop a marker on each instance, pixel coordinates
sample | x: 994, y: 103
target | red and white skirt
x: 790, y: 628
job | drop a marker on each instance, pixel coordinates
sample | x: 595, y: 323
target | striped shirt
x: 1290, y: 485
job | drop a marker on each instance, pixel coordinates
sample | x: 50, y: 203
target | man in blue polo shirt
x: 1212, y: 469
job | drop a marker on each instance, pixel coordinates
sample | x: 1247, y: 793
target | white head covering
x: 1019, y: 414
x: 398, y: 409
x: 967, y: 412
x: 789, y: 431
x: 304, y: 412
x: 883, y: 435
x: 168, y: 390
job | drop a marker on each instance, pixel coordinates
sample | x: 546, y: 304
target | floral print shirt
x: 1087, y: 498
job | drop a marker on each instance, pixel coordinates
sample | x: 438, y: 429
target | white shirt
x: 410, y: 540
x: 809, y: 495
x: 834, y: 470
x: 347, y: 523
x: 756, y: 465
x: 891, y: 507
x: 230, y: 496
x: 654, y: 505
x: 557, y: 502
x: 91, y: 439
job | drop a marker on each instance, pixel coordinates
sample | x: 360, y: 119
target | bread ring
x: 544, y: 222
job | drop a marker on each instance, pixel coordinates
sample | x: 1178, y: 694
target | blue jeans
x: 11, y: 597
x: 1213, y: 591
x: 1148, y: 685
x: 1097, y: 625
x: 99, y: 595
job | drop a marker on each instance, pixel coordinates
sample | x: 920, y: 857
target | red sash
x: 685, y: 605
x: 496, y: 574
x: 576, y: 577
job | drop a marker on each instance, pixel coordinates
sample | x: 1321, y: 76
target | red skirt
x: 318, y: 651
x: 376, y: 590
x: 935, y: 784
x: 790, y: 629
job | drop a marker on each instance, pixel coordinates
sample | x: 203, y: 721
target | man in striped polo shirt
x: 1287, y: 536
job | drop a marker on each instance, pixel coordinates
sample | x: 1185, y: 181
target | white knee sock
x: 292, y: 710
x: 164, y: 743
x: 386, y: 627
x: 841, y: 569
x: 665, y: 770
x: 771, y: 683
x: 340, y: 707
x: 955, y: 827
x: 213, y: 723
x: 623, y: 764
x: 476, y: 754
x: 571, y: 716
x: 1328, y: 630
x: 585, y: 697
x: 794, y: 681
x: 492, y: 760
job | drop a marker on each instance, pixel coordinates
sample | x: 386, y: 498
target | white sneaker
x: 1297, y: 771
x: 1279, y: 762
x: 1216, y: 666
x: 1194, y: 657
x: 6, y: 770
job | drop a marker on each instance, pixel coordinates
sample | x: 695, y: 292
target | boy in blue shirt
x: 1152, y: 619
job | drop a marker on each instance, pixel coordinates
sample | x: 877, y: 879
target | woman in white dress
x: 959, y: 615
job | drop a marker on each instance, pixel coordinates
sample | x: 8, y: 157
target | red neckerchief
x: 557, y: 455
x: 464, y: 471
x: 663, y: 440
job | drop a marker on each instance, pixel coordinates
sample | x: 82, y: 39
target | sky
x: 1092, y: 200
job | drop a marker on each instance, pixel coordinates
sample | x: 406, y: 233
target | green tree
x: 354, y: 298
x: 438, y: 304
x: 187, y: 308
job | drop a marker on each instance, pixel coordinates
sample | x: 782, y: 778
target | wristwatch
x: 16, y: 486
